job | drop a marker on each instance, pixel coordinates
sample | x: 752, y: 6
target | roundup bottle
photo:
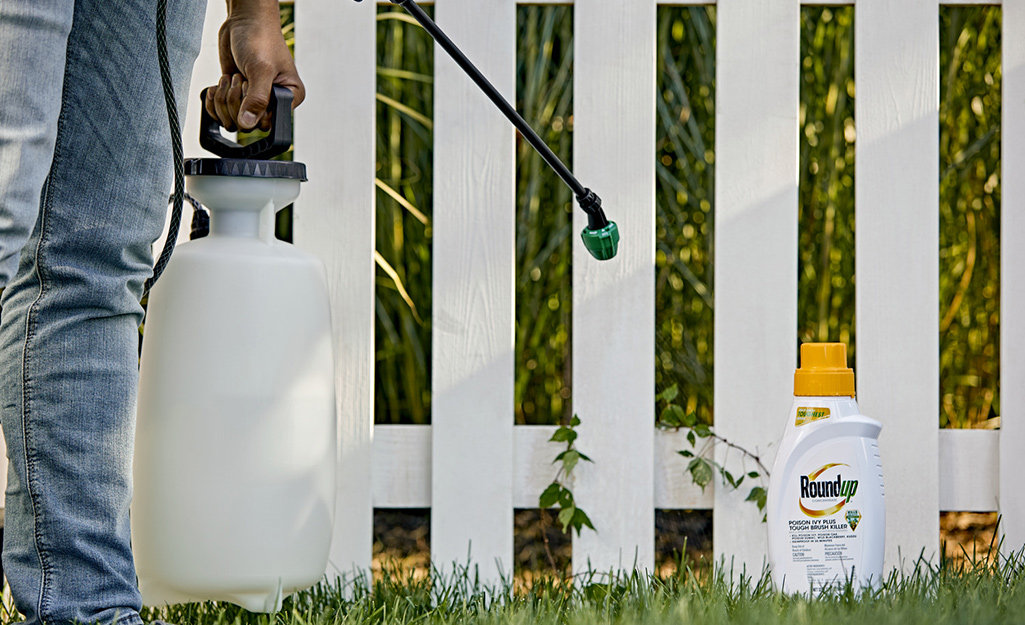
x: 826, y: 508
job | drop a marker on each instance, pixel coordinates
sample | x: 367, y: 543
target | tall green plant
x: 825, y: 294
x: 405, y: 99
x: 685, y: 192
x: 544, y: 205
x: 969, y: 306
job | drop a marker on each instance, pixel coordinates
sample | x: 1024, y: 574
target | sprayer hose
x: 176, y: 147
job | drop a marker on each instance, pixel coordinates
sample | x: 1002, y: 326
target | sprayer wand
x: 601, y: 236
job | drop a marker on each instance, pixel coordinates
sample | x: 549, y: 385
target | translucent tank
x: 235, y: 444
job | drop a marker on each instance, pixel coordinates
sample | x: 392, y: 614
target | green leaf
x: 686, y: 453
x: 584, y: 456
x: 691, y: 438
x: 690, y: 419
x: 753, y: 474
x: 702, y: 430
x: 580, y: 519
x: 565, y: 498
x: 551, y: 496
x: 729, y: 478
x: 669, y: 394
x: 563, y: 435
x: 700, y: 471
x: 574, y: 422
x: 758, y: 495
x: 672, y: 416
x: 566, y: 517
x: 570, y: 460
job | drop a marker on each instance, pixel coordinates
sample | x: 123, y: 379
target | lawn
x: 950, y: 592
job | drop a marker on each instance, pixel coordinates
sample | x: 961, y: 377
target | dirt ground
x: 402, y: 541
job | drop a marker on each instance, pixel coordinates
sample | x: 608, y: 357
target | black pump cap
x: 245, y: 168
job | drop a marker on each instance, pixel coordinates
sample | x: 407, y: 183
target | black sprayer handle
x: 277, y: 142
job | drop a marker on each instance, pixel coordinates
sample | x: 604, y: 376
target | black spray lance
x: 601, y: 236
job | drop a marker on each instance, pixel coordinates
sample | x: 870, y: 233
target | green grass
x: 930, y: 594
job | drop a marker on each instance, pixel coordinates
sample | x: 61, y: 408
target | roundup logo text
x: 838, y: 488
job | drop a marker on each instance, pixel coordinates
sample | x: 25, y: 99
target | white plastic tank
x: 235, y: 444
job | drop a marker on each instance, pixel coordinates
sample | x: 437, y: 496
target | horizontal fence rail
x: 472, y: 466
x: 401, y: 469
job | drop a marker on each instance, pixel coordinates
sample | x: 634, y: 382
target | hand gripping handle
x: 277, y: 142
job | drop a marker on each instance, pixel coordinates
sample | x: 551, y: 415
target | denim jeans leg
x: 69, y: 328
x: 33, y: 45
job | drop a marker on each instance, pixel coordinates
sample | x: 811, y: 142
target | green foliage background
x: 969, y: 216
x: 825, y: 279
x: 684, y: 195
x: 969, y: 211
x: 405, y: 84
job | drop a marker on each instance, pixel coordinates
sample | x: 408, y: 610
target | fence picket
x: 968, y: 462
x: 473, y: 316
x: 755, y: 247
x: 334, y: 219
x: 613, y: 301
x: 1012, y: 278
x: 897, y: 258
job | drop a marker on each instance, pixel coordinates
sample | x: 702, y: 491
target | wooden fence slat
x: 757, y: 57
x: 533, y: 467
x: 206, y: 72
x: 1012, y: 279
x: 614, y: 300
x: 968, y: 469
x: 334, y: 219
x: 473, y: 315
x: 402, y: 466
x: 674, y: 487
x: 402, y: 469
x: 897, y: 259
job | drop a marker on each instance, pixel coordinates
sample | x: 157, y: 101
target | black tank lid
x: 245, y: 168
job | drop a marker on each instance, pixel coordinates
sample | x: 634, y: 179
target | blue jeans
x: 84, y: 175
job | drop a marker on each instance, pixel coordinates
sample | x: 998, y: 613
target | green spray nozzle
x: 603, y: 242
x: 601, y: 236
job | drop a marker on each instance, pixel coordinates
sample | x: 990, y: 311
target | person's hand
x: 254, y: 57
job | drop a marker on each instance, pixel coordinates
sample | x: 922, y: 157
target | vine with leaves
x: 558, y: 493
x: 702, y: 466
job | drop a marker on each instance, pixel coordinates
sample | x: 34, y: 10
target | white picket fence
x: 473, y: 466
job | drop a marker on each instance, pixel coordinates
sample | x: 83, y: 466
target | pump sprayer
x: 235, y: 439
x: 601, y: 236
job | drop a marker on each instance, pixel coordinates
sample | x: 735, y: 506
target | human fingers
x: 260, y: 81
x: 233, y: 99
x: 217, y: 99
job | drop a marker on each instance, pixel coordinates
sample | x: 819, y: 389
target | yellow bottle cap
x: 823, y: 371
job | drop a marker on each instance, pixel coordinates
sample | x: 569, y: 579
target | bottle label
x: 808, y: 415
x: 823, y: 519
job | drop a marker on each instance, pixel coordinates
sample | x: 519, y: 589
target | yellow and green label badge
x: 807, y: 415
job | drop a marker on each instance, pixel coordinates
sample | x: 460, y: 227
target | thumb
x: 256, y: 99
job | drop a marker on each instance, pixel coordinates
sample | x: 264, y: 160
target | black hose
x: 176, y: 148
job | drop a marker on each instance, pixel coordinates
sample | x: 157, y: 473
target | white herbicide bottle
x: 826, y: 506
